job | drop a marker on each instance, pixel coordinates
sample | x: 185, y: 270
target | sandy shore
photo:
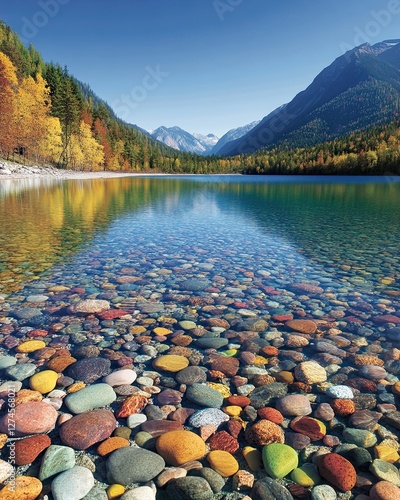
x: 9, y: 170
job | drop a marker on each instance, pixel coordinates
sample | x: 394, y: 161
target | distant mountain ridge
x: 359, y: 89
x: 231, y: 135
x: 180, y: 139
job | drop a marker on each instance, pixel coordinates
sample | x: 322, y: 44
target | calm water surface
x: 240, y: 234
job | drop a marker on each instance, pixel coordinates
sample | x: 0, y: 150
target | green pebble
x: 279, y: 460
x: 306, y: 475
x: 145, y: 440
x: 123, y: 432
x: 360, y: 437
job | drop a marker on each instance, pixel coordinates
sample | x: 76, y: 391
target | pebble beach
x: 197, y: 378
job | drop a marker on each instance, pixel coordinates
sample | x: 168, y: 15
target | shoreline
x: 11, y: 171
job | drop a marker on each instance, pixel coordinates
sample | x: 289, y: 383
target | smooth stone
x: 323, y: 492
x: 302, y: 325
x: 30, y: 346
x: 170, y: 474
x: 269, y: 489
x: 384, y: 490
x: 28, y: 449
x: 306, y: 476
x: 310, y: 427
x: 223, y: 462
x: 22, y: 488
x: 358, y: 456
x: 202, y: 395
x: 56, y: 459
x: 136, y: 420
x: 170, y: 363
x: 187, y: 325
x: 179, y: 447
x: 338, y: 471
x: 120, y: 377
x: 34, y: 417
x: 111, y: 444
x: 279, y: 460
x: 372, y: 372
x: 72, y: 484
x: 294, y: 405
x: 133, y: 465
x: 214, y: 479
x: 140, y: 493
x: 310, y: 372
x: 211, y: 342
x: 191, y: 375
x: 261, y: 396
x: 89, y: 398
x: 7, y: 361
x: 89, y: 370
x: 21, y: 371
x: 385, y: 471
x: 158, y: 427
x: 89, y: 306
x: 208, y: 416
x: 190, y: 488
x: 86, y: 429
x: 194, y: 285
x: 340, y: 392
x: 44, y: 381
x: 6, y: 470
x: 359, y: 437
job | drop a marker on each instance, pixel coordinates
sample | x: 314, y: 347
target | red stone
x: 241, y: 401
x: 33, y: 417
x: 112, y: 314
x: 181, y: 415
x: 28, y: 449
x: 158, y: 427
x: 37, y: 333
x: 227, y: 365
x: 270, y: 350
x: 307, y: 426
x: 343, y: 407
x: 338, y: 471
x: 131, y: 405
x: 223, y: 441
x: 281, y: 318
x: 234, y: 428
x: 387, y: 318
x: 271, y: 414
x: 86, y: 429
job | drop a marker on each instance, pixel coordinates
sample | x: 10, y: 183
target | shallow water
x: 343, y: 231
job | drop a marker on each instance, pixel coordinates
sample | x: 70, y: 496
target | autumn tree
x: 8, y: 86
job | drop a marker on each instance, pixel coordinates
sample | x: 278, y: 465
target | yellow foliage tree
x: 8, y: 87
x: 50, y: 146
x: 85, y: 152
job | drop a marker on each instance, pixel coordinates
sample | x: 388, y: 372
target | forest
x: 48, y: 117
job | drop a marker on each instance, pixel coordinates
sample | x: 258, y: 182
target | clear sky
x: 204, y: 65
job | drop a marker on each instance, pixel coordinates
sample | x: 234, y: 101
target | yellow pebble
x: 31, y: 346
x: 386, y: 453
x: 22, y: 488
x: 387, y: 281
x: 137, y: 329
x: 115, y: 491
x: 253, y: 458
x: 76, y: 387
x: 230, y: 353
x: 44, y: 381
x: 171, y: 363
x: 233, y: 411
x: 162, y: 331
x: 223, y: 462
x: 221, y: 388
x: 260, y: 360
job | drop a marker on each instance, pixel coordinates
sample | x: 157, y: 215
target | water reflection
x: 346, y: 222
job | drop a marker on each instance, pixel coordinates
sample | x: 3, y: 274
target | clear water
x: 343, y: 231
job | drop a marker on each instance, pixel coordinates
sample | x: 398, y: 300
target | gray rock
x: 96, y: 493
x: 72, y: 484
x: 194, y: 285
x: 205, y: 396
x: 90, y: 397
x: 189, y: 488
x: 211, y: 342
x: 133, y: 465
x: 215, y: 480
x: 21, y: 371
x: 191, y: 375
x: 269, y: 489
x: 323, y: 492
x: 89, y: 370
x: 208, y: 416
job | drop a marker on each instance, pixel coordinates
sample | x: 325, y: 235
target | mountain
x: 359, y: 89
x: 179, y: 139
x: 231, y: 135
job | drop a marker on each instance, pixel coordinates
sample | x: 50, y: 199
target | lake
x: 246, y: 278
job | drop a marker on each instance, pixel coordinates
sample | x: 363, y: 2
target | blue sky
x: 204, y: 65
